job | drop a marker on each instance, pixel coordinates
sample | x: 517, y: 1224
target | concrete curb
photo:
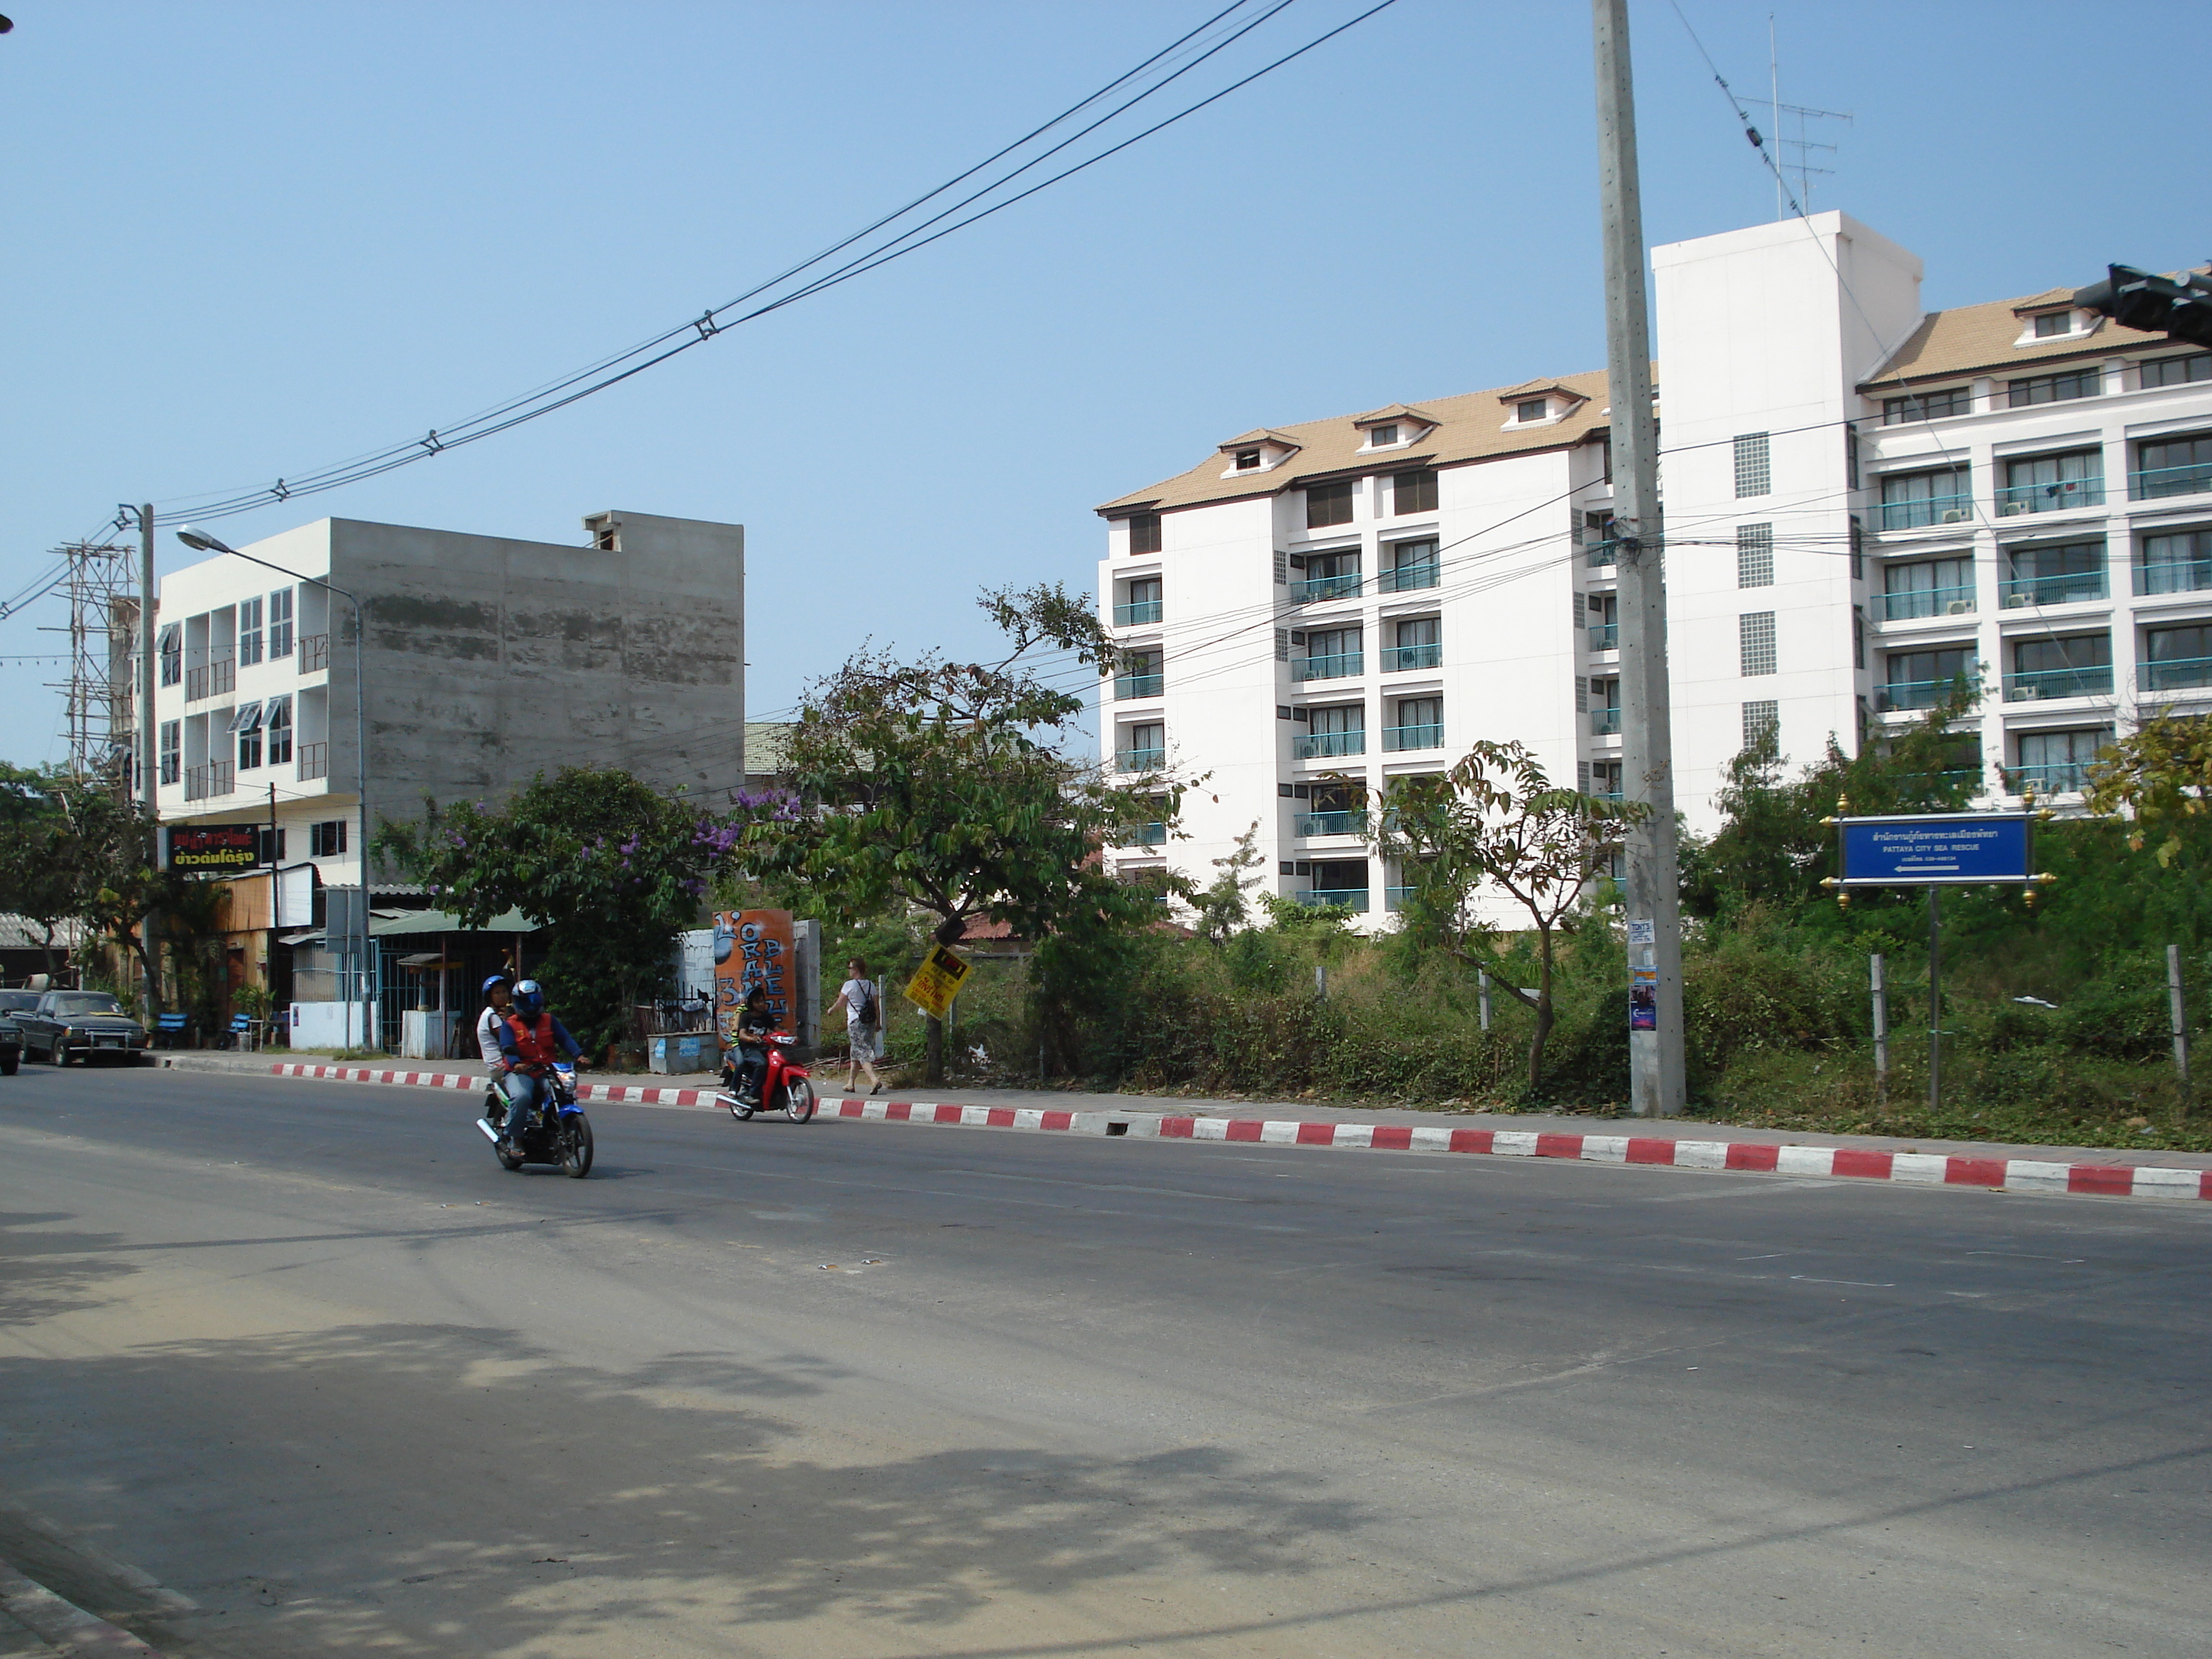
x: 64, y: 1626
x: 2012, y: 1175
x: 2009, y: 1175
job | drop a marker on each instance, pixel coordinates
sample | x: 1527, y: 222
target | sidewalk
x: 1135, y: 1109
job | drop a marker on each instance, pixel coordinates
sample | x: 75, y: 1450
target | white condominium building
x: 1864, y: 504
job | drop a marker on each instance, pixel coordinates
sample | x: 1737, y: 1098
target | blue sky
x: 244, y: 241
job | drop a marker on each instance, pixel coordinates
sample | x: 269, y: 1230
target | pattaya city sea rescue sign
x: 1958, y: 849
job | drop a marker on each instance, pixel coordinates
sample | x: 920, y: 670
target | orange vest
x: 536, y: 1041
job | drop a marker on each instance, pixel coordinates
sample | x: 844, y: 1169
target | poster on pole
x: 752, y: 947
x: 1643, y: 998
x: 937, y: 981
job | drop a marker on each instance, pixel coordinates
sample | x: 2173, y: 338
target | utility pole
x: 150, y: 760
x: 1654, y: 884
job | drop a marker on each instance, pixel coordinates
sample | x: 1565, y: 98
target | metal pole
x: 1935, y: 999
x: 1880, y: 1032
x: 149, y: 772
x: 2180, y: 1020
x: 1653, y: 884
x: 1482, y: 996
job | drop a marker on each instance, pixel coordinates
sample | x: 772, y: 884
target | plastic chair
x: 171, y: 1030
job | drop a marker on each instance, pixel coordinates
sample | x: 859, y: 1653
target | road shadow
x: 45, y: 1273
x: 366, y: 1487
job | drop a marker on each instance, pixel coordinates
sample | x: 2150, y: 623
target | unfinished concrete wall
x: 490, y: 660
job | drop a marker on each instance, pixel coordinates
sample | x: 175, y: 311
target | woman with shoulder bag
x: 863, y: 1003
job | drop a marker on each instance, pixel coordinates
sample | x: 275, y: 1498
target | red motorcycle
x: 785, y: 1086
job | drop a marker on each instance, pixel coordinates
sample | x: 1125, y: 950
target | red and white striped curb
x: 2012, y: 1175
x: 1856, y: 1163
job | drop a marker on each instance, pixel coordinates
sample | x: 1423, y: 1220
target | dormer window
x: 1539, y: 405
x: 1532, y: 408
x: 1247, y: 460
x: 2053, y: 324
x: 1379, y: 436
x: 2065, y: 323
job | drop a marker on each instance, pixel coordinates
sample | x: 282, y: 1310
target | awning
x: 442, y: 921
x: 427, y: 959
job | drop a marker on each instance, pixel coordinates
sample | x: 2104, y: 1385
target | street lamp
x: 200, y: 542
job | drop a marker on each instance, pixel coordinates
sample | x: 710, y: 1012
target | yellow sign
x: 937, y: 981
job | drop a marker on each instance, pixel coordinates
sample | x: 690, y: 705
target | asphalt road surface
x: 308, y: 1356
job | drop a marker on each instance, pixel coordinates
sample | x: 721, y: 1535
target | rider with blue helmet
x: 531, y: 1042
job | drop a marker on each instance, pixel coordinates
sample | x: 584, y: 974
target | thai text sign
x: 752, y: 947
x: 215, y: 847
x: 937, y: 981
x: 1936, y: 850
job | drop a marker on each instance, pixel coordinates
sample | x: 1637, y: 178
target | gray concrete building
x: 489, y: 660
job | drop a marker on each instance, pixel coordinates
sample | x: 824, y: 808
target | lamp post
x: 201, y: 541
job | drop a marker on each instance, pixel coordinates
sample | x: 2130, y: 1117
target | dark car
x: 13, y: 1003
x: 80, y: 1024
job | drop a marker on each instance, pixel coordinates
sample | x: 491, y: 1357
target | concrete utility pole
x: 149, y: 759
x: 1654, y: 884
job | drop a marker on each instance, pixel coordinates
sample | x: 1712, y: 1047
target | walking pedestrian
x: 863, y: 1002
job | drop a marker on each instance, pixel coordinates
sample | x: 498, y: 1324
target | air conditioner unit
x: 2015, y: 601
x: 1955, y: 515
x: 2011, y: 509
x: 1960, y: 608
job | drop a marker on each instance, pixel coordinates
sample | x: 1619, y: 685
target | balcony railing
x: 1323, y: 744
x: 1605, y: 722
x: 1406, y: 579
x: 314, y: 761
x: 206, y: 782
x: 1928, y: 602
x: 1393, y: 898
x: 1604, y: 555
x: 1935, y: 509
x: 314, y: 652
x: 1398, y: 738
x: 1325, y: 587
x: 2174, y: 576
x: 1607, y: 794
x: 1341, y: 666
x: 1147, y: 834
x: 2054, y: 778
x: 1605, y: 636
x: 2059, y: 495
x: 211, y: 679
x: 1900, y: 695
x: 1127, y: 686
x: 1130, y: 615
x: 2054, y: 590
x: 1397, y: 659
x: 1353, y: 822
x: 2177, y: 673
x: 2149, y: 483
x: 2046, y: 683
x: 1351, y: 898
x: 1141, y: 760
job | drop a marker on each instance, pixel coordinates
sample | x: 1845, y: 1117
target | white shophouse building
x: 1864, y: 503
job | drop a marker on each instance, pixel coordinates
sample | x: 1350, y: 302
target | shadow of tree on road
x: 386, y: 1485
x: 45, y: 1274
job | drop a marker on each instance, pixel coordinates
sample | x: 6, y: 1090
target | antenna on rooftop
x: 1784, y: 145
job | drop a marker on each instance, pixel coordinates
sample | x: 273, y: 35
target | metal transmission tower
x: 99, y: 701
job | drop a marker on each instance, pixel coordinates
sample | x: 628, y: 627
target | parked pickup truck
x: 13, y: 1003
x: 79, y: 1025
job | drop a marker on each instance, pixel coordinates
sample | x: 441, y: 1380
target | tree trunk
x: 933, y: 1070
x: 1544, y: 1016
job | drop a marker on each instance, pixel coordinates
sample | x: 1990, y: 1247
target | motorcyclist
x: 754, y: 1023
x: 491, y: 1022
x: 531, y: 1041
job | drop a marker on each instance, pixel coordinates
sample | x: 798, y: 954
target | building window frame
x: 1755, y: 464
x: 1756, y: 650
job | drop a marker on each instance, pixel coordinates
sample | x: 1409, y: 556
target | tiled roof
x: 1468, y: 427
x: 1981, y: 340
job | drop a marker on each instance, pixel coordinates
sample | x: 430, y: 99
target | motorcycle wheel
x: 507, y: 1160
x: 576, y: 1145
x: 798, y: 1100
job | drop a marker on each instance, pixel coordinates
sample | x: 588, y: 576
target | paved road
x: 307, y: 1355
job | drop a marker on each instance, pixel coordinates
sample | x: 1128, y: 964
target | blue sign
x: 1936, y: 850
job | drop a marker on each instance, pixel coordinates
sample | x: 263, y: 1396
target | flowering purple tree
x: 613, y: 869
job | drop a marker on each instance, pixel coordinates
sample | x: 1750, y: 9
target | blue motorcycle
x: 560, y: 1136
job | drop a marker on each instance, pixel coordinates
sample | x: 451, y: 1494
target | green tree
x: 1773, y: 848
x: 1495, y: 819
x: 2159, y: 776
x: 1221, y: 905
x: 38, y: 880
x: 612, y: 868
x: 936, y: 786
